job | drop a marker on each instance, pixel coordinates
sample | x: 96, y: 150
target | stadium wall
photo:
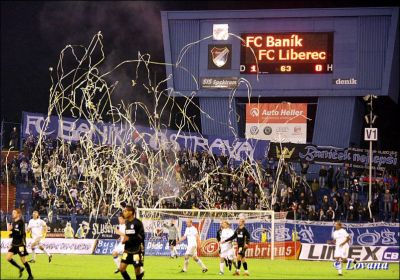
x: 369, y: 242
x: 365, y: 48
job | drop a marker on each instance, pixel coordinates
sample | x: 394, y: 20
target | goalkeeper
x: 173, y: 237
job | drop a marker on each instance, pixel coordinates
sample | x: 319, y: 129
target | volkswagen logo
x: 253, y: 130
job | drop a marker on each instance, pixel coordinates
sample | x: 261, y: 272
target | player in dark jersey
x: 18, y: 243
x: 134, y: 244
x: 242, y: 236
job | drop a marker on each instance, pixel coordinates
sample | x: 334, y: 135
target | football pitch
x: 102, y: 267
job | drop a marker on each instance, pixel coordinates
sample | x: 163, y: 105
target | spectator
x: 35, y: 197
x: 311, y: 201
x: 284, y: 195
x: 315, y: 186
x: 322, y: 176
x: 335, y: 205
x: 330, y: 176
x: 14, y: 172
x: 325, y: 204
x: 312, y: 215
x: 301, y: 212
x: 361, y: 212
x: 304, y: 169
x: 333, y: 192
x: 338, y: 179
x: 81, y: 232
x: 14, y: 139
x: 68, y: 231
x: 37, y: 172
x: 346, y: 204
x: 24, y: 170
x: 322, y: 216
x: 395, y: 211
x: 353, y: 176
x: 350, y: 212
x: 387, y: 204
x: 22, y: 206
x: 346, y: 177
x: 330, y: 214
x: 354, y: 190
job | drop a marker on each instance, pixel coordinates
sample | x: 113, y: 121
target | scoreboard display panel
x: 287, y: 53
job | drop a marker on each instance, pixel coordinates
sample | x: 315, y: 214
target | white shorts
x: 191, y: 251
x: 228, y: 254
x: 119, y: 248
x: 341, y: 252
x: 37, y: 241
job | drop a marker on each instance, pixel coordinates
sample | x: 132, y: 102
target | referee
x: 242, y: 236
x: 18, y: 243
x: 134, y: 244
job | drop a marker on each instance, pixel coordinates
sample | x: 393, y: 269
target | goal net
x: 268, y: 231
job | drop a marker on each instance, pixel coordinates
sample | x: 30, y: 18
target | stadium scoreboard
x: 287, y: 53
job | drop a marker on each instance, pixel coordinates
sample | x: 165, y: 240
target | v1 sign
x: 371, y: 134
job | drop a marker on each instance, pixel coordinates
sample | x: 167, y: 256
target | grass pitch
x: 102, y: 267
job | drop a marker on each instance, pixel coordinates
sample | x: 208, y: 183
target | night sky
x: 34, y: 33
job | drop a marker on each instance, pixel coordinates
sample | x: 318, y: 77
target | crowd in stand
x: 336, y: 193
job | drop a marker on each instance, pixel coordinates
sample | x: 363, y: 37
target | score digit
x: 318, y: 67
x: 286, y: 68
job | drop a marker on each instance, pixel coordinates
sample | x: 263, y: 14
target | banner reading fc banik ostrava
x: 277, y: 122
x: 73, y: 130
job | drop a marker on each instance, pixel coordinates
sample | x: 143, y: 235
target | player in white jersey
x: 119, y: 247
x: 341, y: 239
x: 38, y: 229
x: 227, y: 250
x: 193, y: 240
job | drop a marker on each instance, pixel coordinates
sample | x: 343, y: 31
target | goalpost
x: 258, y: 222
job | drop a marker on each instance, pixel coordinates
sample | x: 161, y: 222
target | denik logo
x: 369, y: 266
x: 391, y: 254
x: 219, y: 56
x: 254, y: 112
x: 348, y: 81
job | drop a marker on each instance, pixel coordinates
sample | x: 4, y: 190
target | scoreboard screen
x: 287, y: 53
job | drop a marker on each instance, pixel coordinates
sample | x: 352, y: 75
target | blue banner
x: 70, y: 129
x: 156, y: 241
x: 105, y: 246
x: 371, y: 234
x: 376, y: 234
